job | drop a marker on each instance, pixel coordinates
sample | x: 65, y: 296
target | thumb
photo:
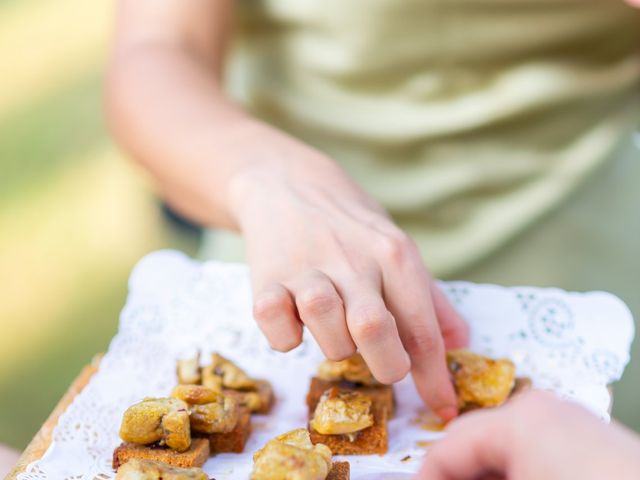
x: 477, y: 447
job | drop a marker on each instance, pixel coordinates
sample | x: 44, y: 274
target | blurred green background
x: 75, y: 216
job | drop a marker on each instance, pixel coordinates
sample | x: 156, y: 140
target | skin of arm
x: 532, y: 437
x: 8, y: 458
x: 323, y: 254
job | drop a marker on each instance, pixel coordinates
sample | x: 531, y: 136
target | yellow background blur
x: 75, y: 216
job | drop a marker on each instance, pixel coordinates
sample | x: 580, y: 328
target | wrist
x: 286, y: 167
x: 247, y: 186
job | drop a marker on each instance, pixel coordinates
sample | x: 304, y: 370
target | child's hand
x: 536, y: 436
x: 321, y: 251
x: 324, y: 254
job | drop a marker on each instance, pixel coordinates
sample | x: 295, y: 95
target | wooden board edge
x: 41, y: 441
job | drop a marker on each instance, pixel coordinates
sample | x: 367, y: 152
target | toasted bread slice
x: 339, y: 471
x: 371, y: 440
x: 136, y: 469
x: 235, y: 440
x: 259, y: 400
x: 381, y: 395
x: 197, y: 454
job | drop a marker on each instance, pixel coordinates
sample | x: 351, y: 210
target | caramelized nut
x: 480, y: 381
x: 292, y: 456
x: 342, y: 412
x: 353, y: 369
x: 188, y: 370
x: 252, y: 401
x: 211, y: 411
x: 162, y: 420
x: 224, y: 373
x: 220, y: 416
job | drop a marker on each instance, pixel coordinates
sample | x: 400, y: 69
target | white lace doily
x: 572, y: 343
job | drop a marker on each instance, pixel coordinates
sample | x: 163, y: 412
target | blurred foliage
x: 75, y: 216
x: 56, y: 128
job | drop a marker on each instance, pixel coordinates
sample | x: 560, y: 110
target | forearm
x: 169, y: 112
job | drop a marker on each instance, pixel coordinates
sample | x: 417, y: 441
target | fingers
x: 477, y: 446
x: 528, y: 437
x: 321, y: 309
x: 406, y: 285
x: 455, y: 331
x: 276, y: 316
x: 422, y: 339
x: 340, y: 319
x: 374, y: 330
x: 345, y: 311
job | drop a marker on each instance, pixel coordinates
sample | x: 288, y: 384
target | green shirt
x: 466, y: 119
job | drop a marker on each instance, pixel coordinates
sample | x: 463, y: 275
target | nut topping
x: 189, y: 370
x: 162, y: 420
x: 252, y: 401
x: 195, y: 394
x: 211, y: 411
x: 224, y: 373
x: 479, y: 380
x: 292, y: 456
x: 342, y: 412
x: 352, y: 369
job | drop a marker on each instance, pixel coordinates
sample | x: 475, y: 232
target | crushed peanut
x: 195, y: 394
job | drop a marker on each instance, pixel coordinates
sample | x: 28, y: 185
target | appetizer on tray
x: 153, y: 470
x: 350, y: 423
x: 159, y: 429
x: 351, y: 374
x: 292, y: 456
x: 217, y: 416
x: 223, y: 375
x: 183, y: 430
x: 482, y: 382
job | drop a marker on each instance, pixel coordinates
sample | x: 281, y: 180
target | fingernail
x: 447, y: 413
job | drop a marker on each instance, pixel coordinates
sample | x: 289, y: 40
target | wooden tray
x: 42, y: 439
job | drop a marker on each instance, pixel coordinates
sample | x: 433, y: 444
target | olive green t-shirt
x: 466, y: 119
